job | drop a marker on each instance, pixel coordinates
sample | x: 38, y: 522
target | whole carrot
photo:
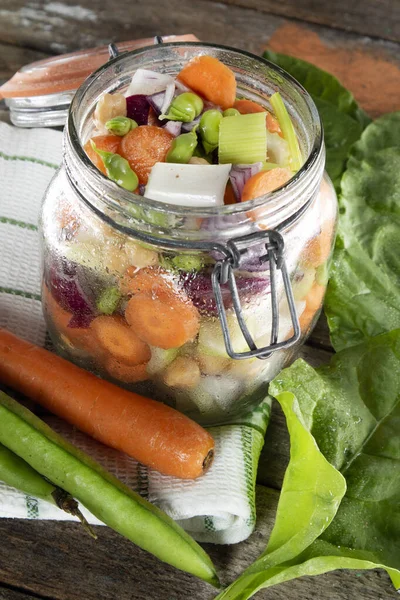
x: 154, y: 434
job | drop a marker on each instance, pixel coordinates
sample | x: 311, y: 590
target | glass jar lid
x: 40, y: 93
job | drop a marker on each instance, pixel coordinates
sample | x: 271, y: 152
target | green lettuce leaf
x: 352, y: 409
x: 342, y: 118
x: 363, y: 297
x: 311, y: 493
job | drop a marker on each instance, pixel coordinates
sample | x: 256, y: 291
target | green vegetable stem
x: 185, y: 107
x: 209, y: 129
x: 102, y: 494
x: 120, y: 125
x: 118, y: 169
x: 182, y: 148
x: 288, y: 130
x: 17, y: 473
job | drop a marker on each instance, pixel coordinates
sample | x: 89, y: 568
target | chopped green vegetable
x: 243, y: 139
x: 182, y: 148
x: 109, y: 300
x: 118, y: 169
x: 185, y: 107
x: 209, y: 129
x: 268, y: 166
x: 363, y: 297
x: 121, y: 125
x: 231, y: 112
x: 288, y: 130
x: 183, y: 262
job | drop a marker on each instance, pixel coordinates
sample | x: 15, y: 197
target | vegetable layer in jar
x: 145, y: 316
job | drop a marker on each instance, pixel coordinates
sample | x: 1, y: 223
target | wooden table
x: 359, y: 42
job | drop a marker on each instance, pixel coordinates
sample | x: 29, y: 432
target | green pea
x: 182, y: 148
x: 121, y: 125
x: 209, y: 129
x: 118, y: 169
x: 104, y: 495
x: 108, y: 300
x: 185, y: 107
x: 231, y: 112
x: 188, y: 262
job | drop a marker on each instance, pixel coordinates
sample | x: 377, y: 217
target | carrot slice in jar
x: 210, y: 78
x: 315, y: 297
x: 109, y: 143
x: 125, y: 373
x: 148, y: 280
x: 162, y: 320
x: 143, y: 147
x: 319, y: 248
x: 116, y: 337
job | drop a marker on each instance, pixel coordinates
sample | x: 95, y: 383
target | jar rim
x: 275, y: 199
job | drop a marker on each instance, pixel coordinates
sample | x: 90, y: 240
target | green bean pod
x: 101, y: 493
x: 17, y: 473
x: 118, y: 169
x: 182, y: 148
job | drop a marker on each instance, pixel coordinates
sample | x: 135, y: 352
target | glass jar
x: 199, y: 308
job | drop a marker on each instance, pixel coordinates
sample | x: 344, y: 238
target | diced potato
x: 184, y: 372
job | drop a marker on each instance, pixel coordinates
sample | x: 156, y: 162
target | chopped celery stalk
x: 108, y: 301
x: 243, y: 139
x: 268, y: 166
x: 288, y: 131
x: 188, y: 185
x: 188, y: 262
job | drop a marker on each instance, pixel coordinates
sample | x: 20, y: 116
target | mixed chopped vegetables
x: 196, y: 115
x: 145, y: 316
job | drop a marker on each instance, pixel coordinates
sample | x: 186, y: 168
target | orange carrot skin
x: 154, y: 434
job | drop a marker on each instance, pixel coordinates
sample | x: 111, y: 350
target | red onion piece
x: 148, y: 82
x: 173, y: 127
x: 240, y: 174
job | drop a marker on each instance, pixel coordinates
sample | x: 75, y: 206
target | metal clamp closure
x: 224, y: 273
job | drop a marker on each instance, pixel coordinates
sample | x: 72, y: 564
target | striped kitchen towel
x: 220, y: 506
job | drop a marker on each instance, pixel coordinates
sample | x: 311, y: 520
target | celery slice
x: 243, y: 139
x: 267, y: 166
x: 288, y: 130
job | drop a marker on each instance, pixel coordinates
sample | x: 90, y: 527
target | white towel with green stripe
x: 220, y: 506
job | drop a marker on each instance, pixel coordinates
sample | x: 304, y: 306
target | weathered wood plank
x: 370, y: 68
x: 57, y: 560
x: 377, y: 18
x: 14, y: 57
x: 12, y: 594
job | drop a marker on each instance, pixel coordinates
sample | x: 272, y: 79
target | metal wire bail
x: 224, y: 273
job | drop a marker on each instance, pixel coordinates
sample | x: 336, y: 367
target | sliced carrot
x: 109, y: 143
x: 264, y: 182
x: 273, y: 125
x: 246, y: 107
x: 319, y: 247
x: 154, y: 434
x: 162, y: 320
x: 116, y: 337
x: 306, y: 320
x: 229, y: 196
x: 210, y: 78
x: 143, y: 147
x: 148, y: 280
x: 125, y: 373
x: 315, y: 297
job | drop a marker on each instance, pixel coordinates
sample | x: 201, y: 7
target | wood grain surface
x: 57, y: 560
